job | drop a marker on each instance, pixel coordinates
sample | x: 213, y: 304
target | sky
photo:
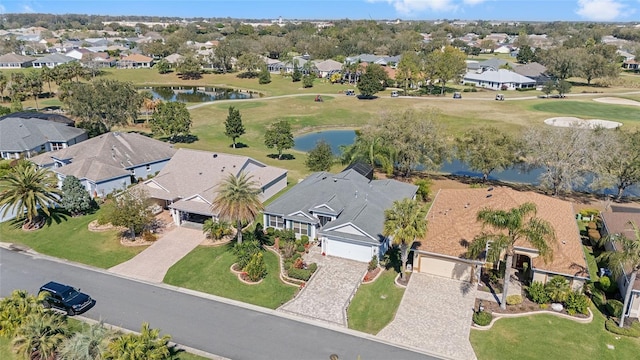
x: 517, y: 10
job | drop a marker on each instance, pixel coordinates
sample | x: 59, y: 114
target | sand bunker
x: 617, y: 101
x: 577, y: 122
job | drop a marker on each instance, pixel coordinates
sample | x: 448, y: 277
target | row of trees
x: 40, y: 334
x: 408, y: 140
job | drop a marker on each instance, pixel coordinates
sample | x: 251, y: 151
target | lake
x: 198, y: 94
x: 516, y: 174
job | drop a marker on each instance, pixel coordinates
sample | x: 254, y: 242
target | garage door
x: 348, y: 250
x: 446, y: 268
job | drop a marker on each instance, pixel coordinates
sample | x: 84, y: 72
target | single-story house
x: 77, y: 53
x: 618, y: 223
x: 374, y: 59
x: 188, y: 183
x: 26, y: 137
x: 344, y: 211
x: 174, y: 59
x: 533, y: 70
x: 109, y: 162
x: 52, y: 60
x: 501, y: 79
x: 135, y: 61
x: 631, y: 65
x: 491, y: 64
x: 503, y: 49
x: 327, y: 68
x: 98, y: 60
x: 15, y: 61
x: 452, y: 225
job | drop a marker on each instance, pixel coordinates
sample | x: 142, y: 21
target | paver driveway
x: 153, y: 263
x: 325, y: 297
x: 435, y: 315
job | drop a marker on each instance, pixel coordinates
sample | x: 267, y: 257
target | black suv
x: 65, y: 297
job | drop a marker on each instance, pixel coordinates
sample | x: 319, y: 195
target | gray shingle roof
x: 54, y: 58
x: 19, y: 134
x: 501, y: 76
x: 533, y: 69
x: 108, y: 155
x: 12, y: 58
x: 355, y: 199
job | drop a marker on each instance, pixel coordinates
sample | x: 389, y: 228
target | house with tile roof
x: 25, y: 137
x: 189, y: 182
x: 327, y: 68
x: 15, y: 61
x: 619, y: 223
x: 109, y: 162
x: 344, y: 211
x: 52, y: 60
x: 135, y: 61
x: 452, y: 225
x: 501, y: 79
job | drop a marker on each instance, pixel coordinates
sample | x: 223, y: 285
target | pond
x: 198, y: 94
x: 515, y: 174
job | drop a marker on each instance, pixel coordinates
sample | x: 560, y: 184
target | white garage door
x: 348, y: 250
x: 446, y: 268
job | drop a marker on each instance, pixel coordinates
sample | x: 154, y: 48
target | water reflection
x: 198, y: 94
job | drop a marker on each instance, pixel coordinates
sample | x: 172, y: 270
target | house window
x: 300, y: 228
x: 148, y: 167
x: 276, y: 221
x: 57, y: 146
x: 324, y: 219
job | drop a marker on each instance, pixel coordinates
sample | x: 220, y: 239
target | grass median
x: 375, y: 305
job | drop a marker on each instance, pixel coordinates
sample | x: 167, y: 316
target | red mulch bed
x: 371, y: 274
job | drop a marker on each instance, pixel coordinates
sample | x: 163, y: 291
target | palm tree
x: 238, y: 200
x: 89, y: 344
x: 148, y: 345
x: 3, y: 85
x: 15, y: 309
x: 404, y: 222
x: 518, y: 223
x: 626, y: 255
x: 40, y: 335
x: 26, y: 189
x: 216, y: 229
x: 47, y: 74
x: 370, y: 150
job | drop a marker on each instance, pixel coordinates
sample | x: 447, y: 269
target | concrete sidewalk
x: 153, y: 263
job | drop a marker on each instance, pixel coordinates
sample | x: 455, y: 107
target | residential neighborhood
x: 353, y: 183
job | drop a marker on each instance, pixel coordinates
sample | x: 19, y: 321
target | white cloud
x: 27, y: 9
x: 473, y: 2
x: 410, y: 7
x: 599, y: 10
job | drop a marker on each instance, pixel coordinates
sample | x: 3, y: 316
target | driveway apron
x: 435, y: 315
x: 326, y: 296
x: 153, y: 263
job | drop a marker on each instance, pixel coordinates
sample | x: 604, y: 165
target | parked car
x: 457, y: 95
x: 65, y: 297
x: 394, y: 94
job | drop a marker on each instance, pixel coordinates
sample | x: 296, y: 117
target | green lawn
x: 591, y: 263
x: 375, y: 305
x: 589, y: 110
x: 206, y: 269
x: 70, y: 239
x: 551, y: 337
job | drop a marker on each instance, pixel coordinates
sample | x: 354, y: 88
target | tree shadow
x: 283, y: 157
x: 393, y: 259
x: 239, y: 145
x: 184, y: 139
x: 366, y: 97
x: 57, y: 215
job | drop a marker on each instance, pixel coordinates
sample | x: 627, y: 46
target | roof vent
x: 215, y: 156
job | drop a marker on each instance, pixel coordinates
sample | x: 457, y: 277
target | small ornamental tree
x: 279, y: 136
x: 132, y: 211
x: 307, y: 80
x: 163, y: 66
x: 233, y: 125
x: 320, y: 158
x: 256, y: 268
x: 75, y: 198
x: 265, y: 76
x: 297, y: 75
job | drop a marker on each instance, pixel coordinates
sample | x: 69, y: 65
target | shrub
x: 558, y: 288
x: 373, y: 263
x: 482, y: 318
x: 592, y: 225
x: 594, y: 236
x: 514, y: 300
x: 598, y: 297
x: 538, y: 293
x: 577, y: 302
x: 298, y: 264
x: 544, y: 306
x: 312, y: 267
x: 633, y: 330
x: 300, y: 248
x: 604, y: 283
x: 148, y: 236
x: 244, y: 252
x: 614, y: 307
x: 256, y: 268
x: 287, y: 249
x: 300, y: 274
x: 304, y: 240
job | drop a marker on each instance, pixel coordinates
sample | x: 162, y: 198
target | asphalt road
x: 203, y: 323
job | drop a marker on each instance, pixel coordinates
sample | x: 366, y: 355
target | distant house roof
x: 194, y: 173
x: 531, y: 70
x: 12, y: 58
x: 173, y: 58
x: 54, y: 58
x: 42, y: 116
x: 494, y: 64
x: 98, y: 158
x: 351, y: 197
x: 328, y: 65
x: 391, y: 72
x: 139, y: 58
x: 22, y: 134
x: 501, y: 76
x: 452, y: 225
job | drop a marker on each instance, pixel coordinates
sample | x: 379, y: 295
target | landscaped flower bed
x: 291, y: 250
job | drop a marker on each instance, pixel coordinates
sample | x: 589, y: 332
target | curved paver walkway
x: 326, y: 296
x: 153, y: 263
x: 435, y: 315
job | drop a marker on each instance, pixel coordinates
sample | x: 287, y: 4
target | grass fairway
x: 70, y: 239
x: 551, y: 337
x: 589, y: 110
x: 206, y: 269
x: 375, y: 305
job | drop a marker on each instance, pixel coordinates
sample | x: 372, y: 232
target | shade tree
x: 279, y: 136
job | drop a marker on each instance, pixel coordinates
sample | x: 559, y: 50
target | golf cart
x: 457, y: 95
x: 500, y: 97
